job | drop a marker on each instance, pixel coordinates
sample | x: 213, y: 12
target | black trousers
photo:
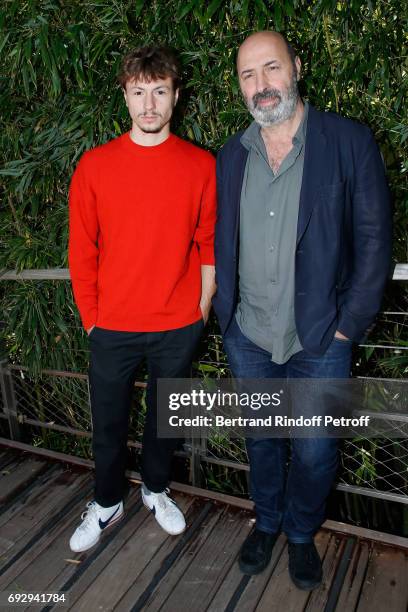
x: 115, y: 357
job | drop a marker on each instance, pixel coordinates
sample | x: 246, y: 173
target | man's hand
x: 88, y: 331
x: 207, y: 290
x: 340, y: 336
x: 205, y: 311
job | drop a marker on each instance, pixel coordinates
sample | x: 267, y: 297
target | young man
x: 302, y: 251
x: 142, y: 215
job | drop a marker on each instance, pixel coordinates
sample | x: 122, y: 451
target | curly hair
x: 150, y: 64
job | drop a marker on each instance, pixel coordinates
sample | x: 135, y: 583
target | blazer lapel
x: 313, y: 168
x: 236, y: 187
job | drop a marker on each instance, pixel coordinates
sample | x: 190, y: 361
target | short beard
x: 152, y: 130
x: 283, y: 110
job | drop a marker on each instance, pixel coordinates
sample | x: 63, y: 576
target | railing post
x: 9, y: 400
x: 195, y: 460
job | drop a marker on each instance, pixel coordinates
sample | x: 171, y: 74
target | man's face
x: 268, y: 79
x: 150, y: 104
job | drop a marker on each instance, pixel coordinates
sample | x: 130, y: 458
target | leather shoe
x: 305, y: 566
x: 256, y: 552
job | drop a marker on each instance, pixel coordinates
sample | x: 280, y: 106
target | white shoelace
x: 88, y: 516
x: 165, y: 502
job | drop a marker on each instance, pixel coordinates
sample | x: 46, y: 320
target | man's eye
x: 272, y: 67
x: 161, y: 92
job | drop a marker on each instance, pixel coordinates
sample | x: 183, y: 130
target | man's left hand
x: 341, y: 336
x: 205, y: 312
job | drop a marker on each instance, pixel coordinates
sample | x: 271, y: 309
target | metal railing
x: 58, y: 401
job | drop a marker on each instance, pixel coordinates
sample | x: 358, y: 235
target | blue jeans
x: 296, y: 503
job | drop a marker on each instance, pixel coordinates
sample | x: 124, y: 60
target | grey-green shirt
x: 268, y: 226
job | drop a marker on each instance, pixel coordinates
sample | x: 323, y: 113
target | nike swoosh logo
x: 103, y: 524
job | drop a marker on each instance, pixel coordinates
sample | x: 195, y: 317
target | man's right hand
x: 88, y: 331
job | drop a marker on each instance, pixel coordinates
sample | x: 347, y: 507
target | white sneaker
x: 165, y: 510
x: 94, y: 520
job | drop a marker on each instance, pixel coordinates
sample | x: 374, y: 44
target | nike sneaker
x: 165, y: 510
x: 95, y: 520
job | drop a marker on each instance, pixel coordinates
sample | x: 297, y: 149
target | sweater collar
x: 137, y: 149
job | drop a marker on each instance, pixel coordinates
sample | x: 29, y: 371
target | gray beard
x: 283, y: 110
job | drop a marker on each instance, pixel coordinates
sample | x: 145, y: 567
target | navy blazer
x: 343, y: 247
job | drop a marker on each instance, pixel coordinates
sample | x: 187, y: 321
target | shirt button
x: 271, y: 248
x: 271, y: 213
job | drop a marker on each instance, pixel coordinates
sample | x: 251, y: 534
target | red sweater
x: 141, y: 225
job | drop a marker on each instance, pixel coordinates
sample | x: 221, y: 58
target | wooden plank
x: 144, y: 540
x: 400, y: 271
x: 253, y: 586
x: 280, y: 589
x: 89, y: 569
x: 6, y: 457
x: 386, y: 585
x: 204, y: 575
x: 40, y: 274
x: 367, y: 534
x: 318, y: 598
x: 56, y: 564
x: 55, y: 531
x: 238, y: 502
x: 350, y: 591
x: 164, y: 560
x: 20, y: 523
x: 162, y: 590
x: 18, y: 475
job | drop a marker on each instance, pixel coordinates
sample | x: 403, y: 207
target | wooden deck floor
x: 137, y: 567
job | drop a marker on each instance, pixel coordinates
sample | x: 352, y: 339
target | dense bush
x: 59, y: 97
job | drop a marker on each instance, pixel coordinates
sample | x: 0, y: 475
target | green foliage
x: 59, y: 97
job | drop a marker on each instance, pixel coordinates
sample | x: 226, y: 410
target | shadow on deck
x: 136, y: 566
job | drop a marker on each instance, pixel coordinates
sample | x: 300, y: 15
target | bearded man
x: 302, y: 247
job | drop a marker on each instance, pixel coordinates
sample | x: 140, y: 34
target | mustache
x: 265, y: 95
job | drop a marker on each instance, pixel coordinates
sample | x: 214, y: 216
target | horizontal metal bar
x: 54, y: 427
x: 395, y: 347
x: 80, y: 432
x: 235, y: 465
x: 403, y: 499
x: 400, y: 273
x: 61, y: 373
x: 64, y: 374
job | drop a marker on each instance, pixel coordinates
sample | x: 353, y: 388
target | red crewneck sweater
x: 141, y: 225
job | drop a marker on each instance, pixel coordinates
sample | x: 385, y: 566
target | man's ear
x: 298, y: 65
x: 176, y: 96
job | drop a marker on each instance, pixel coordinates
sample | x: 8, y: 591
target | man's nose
x: 261, y: 83
x: 149, y: 101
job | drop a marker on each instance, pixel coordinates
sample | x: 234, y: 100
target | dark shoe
x: 256, y: 552
x: 305, y: 566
